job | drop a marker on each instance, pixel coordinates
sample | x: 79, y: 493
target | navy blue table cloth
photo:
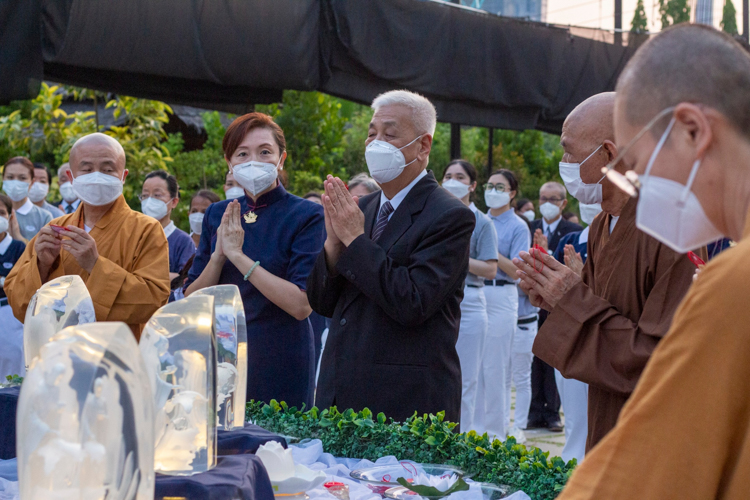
x: 8, y: 406
x: 246, y: 440
x: 241, y: 477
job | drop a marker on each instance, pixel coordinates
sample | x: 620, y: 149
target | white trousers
x: 471, y: 335
x: 11, y: 338
x: 502, y: 314
x: 574, y: 398
x: 520, y: 373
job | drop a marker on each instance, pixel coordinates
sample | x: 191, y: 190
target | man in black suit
x: 544, y: 411
x: 391, y: 275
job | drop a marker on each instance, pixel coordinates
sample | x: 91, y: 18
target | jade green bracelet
x: 252, y: 268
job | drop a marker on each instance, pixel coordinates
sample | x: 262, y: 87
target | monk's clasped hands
x: 343, y: 216
x: 545, y: 288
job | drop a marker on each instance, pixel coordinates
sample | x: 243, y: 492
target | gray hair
x: 364, y: 180
x: 424, y: 115
x: 557, y: 186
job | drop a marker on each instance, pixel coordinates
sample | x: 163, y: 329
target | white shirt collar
x: 584, y: 237
x: 74, y: 204
x: 5, y: 244
x: 396, y: 200
x: 552, y: 226
x: 169, y: 229
x: 26, y: 208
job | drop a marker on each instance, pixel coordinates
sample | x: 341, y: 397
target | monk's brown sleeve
x: 588, y: 339
x: 24, y: 280
x: 683, y: 433
x: 133, y: 297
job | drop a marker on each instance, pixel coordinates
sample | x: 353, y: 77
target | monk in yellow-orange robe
x: 130, y: 280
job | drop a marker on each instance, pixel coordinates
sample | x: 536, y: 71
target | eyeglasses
x: 498, y: 187
x: 543, y: 200
x: 629, y: 181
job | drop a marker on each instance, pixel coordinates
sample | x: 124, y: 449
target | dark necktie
x: 549, y: 233
x: 69, y: 209
x: 385, y: 211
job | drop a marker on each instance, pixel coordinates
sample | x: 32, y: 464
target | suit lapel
x: 371, y: 213
x: 402, y: 219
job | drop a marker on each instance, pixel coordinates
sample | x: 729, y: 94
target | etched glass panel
x: 58, y: 304
x: 85, y: 419
x: 231, y: 344
x: 179, y: 350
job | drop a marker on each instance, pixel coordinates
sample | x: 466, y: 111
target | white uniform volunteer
x: 460, y: 180
x: 520, y: 366
x: 493, y: 413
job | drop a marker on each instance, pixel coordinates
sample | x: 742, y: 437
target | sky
x: 600, y: 13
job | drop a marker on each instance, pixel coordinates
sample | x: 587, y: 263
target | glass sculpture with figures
x: 179, y: 350
x: 58, y: 304
x: 84, y: 427
x: 231, y: 344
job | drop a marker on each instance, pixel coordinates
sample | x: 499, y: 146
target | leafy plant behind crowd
x: 424, y: 439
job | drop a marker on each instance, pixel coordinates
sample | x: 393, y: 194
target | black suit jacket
x: 395, y: 309
x: 563, y: 228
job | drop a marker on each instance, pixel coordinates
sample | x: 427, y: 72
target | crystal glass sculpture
x: 179, y: 349
x: 231, y: 344
x: 85, y: 418
x: 59, y: 303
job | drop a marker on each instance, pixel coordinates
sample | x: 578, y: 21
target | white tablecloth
x: 311, y: 454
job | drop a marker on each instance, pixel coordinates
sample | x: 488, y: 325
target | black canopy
x: 478, y: 68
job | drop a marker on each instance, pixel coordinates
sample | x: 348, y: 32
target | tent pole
x: 618, y: 22
x: 489, y: 151
x: 455, y: 141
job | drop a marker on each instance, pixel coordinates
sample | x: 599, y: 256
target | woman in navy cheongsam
x: 266, y: 243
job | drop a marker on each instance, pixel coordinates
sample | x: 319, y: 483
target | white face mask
x: 16, y: 190
x: 3, y: 224
x: 154, y: 208
x: 670, y: 211
x: 196, y: 222
x: 234, y: 192
x: 588, y: 212
x: 67, y: 192
x: 38, y: 192
x: 98, y: 189
x: 495, y: 199
x: 456, y: 188
x: 385, y: 161
x: 549, y: 211
x: 255, y: 176
x: 571, y: 176
x: 530, y: 215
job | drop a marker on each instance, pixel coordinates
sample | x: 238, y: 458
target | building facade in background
x: 532, y: 10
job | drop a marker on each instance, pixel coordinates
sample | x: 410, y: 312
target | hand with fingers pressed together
x: 81, y: 246
x: 545, y: 288
x: 343, y: 216
x: 47, y: 247
x: 230, y: 234
x: 573, y: 259
x: 541, y: 240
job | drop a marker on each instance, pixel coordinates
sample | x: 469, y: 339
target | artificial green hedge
x: 426, y: 439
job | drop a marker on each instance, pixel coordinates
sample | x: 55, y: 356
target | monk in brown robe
x: 685, y: 432
x: 120, y: 254
x: 604, y: 325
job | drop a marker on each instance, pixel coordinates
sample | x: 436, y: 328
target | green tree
x: 313, y: 124
x: 673, y: 12
x: 729, y: 18
x: 639, y: 23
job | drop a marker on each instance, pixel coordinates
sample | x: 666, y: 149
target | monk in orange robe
x: 685, y: 432
x: 120, y: 254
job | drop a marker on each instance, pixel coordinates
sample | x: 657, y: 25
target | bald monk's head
x: 98, y: 153
x: 588, y: 134
x: 704, y: 75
